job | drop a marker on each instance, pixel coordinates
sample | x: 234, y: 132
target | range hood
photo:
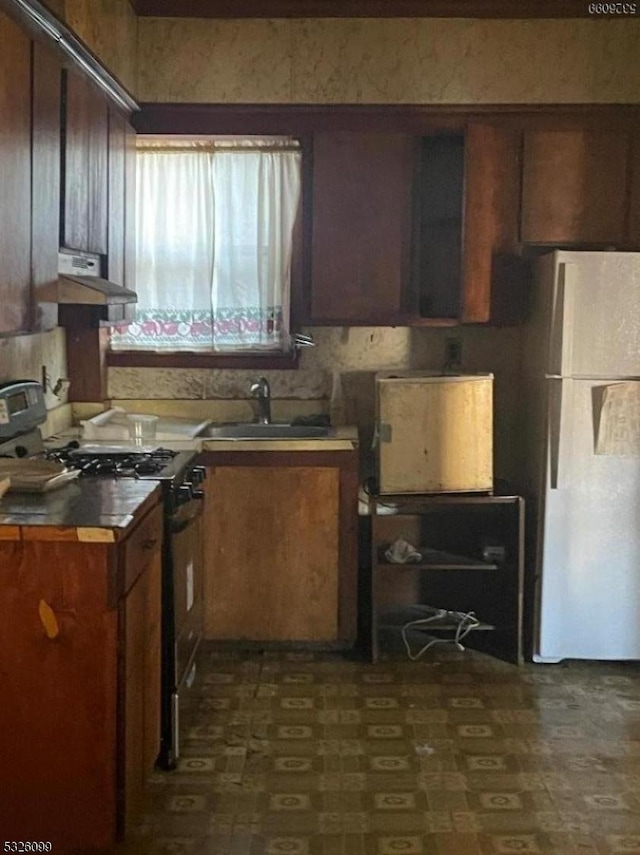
x: 85, y: 290
x: 81, y: 297
x: 79, y: 283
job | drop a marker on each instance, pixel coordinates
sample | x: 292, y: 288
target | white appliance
x: 435, y: 432
x: 582, y: 408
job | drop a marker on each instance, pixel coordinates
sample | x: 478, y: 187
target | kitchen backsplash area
x: 337, y: 377
x: 23, y: 357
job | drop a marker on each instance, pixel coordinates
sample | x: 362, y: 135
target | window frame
x: 248, y: 360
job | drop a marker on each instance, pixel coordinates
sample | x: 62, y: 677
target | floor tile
x: 320, y: 754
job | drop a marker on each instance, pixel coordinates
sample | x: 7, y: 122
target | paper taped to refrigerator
x: 619, y: 424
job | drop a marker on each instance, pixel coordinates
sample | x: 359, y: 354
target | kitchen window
x: 214, y: 239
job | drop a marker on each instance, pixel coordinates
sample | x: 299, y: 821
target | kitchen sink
x: 275, y: 430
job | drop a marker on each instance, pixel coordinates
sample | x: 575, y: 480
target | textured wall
x: 23, y: 356
x: 426, y: 60
x: 110, y: 29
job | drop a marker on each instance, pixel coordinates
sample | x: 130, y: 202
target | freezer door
x: 595, y: 319
x: 588, y: 583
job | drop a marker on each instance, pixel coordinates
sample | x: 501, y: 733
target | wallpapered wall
x: 423, y: 60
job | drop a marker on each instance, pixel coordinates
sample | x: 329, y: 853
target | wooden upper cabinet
x: 85, y: 158
x: 130, y: 208
x: 490, y: 232
x: 634, y: 196
x: 122, y: 185
x: 117, y: 194
x: 15, y: 178
x: 574, y: 187
x: 466, y: 226
x: 361, y: 226
x: 45, y: 218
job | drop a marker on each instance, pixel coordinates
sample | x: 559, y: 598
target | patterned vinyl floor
x: 296, y: 754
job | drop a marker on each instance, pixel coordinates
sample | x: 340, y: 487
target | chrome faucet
x: 260, y: 389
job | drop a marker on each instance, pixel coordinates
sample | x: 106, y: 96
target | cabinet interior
x: 437, y: 245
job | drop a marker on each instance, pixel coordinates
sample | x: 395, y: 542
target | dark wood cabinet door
x: 130, y: 208
x: 361, y: 226
x: 283, y: 583
x: 140, y: 621
x: 85, y: 160
x: 117, y: 179
x: 574, y: 188
x: 634, y: 196
x: 491, y: 206
x: 15, y: 177
x: 122, y: 179
x: 45, y: 217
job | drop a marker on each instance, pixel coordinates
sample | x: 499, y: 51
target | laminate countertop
x: 87, y: 504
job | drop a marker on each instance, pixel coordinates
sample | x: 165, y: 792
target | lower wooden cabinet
x: 140, y: 625
x: 281, y: 546
x: 80, y: 664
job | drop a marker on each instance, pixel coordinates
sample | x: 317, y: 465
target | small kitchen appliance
x: 435, y: 432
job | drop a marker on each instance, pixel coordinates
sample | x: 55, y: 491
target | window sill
x: 151, y: 359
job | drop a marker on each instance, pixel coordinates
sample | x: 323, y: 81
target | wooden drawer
x: 138, y: 549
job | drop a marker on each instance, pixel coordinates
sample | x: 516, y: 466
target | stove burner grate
x: 127, y: 464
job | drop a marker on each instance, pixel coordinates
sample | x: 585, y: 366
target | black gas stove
x: 181, y: 557
x: 174, y: 470
x: 123, y: 461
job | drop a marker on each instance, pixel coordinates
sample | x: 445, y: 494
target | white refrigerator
x: 582, y: 409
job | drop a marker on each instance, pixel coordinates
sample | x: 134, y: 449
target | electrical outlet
x: 453, y: 352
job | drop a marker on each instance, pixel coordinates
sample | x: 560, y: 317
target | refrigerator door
x: 588, y: 581
x: 595, y: 316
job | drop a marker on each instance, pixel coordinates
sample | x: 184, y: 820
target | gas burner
x: 125, y: 463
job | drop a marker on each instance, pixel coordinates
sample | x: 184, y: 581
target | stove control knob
x: 184, y: 494
x: 197, y: 494
x: 197, y: 474
x: 21, y: 451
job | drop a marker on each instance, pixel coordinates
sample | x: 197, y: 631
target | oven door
x: 182, y: 619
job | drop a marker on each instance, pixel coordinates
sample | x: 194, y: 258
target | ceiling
x: 362, y: 8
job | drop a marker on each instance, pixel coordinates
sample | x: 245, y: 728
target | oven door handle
x: 177, y: 526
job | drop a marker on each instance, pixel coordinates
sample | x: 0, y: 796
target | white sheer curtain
x: 214, y: 229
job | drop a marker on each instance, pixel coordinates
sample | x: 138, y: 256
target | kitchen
x: 586, y: 62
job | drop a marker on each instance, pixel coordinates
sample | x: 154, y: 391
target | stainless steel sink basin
x: 274, y: 430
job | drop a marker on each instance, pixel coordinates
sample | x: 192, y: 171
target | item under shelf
x: 437, y: 559
x: 400, y: 615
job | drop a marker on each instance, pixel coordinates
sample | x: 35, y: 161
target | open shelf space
x: 437, y: 559
x: 459, y: 530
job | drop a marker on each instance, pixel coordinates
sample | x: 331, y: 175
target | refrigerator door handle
x: 567, y: 283
x: 555, y: 421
